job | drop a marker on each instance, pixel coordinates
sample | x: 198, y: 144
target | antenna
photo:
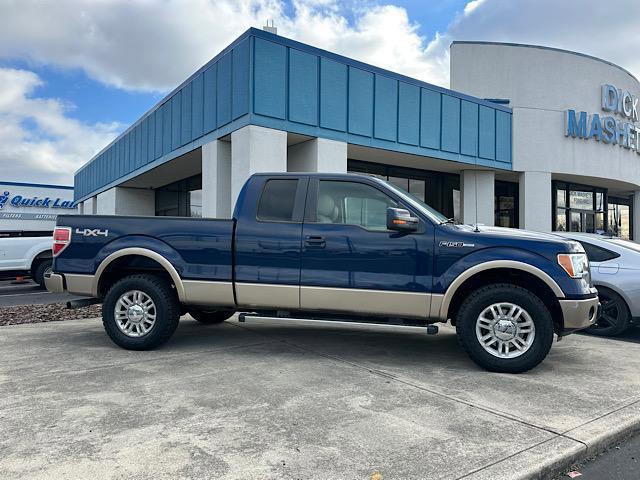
x: 475, y: 182
x: 270, y: 28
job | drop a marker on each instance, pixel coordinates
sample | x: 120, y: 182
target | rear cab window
x: 278, y: 200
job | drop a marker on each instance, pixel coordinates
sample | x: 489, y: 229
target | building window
x: 438, y: 190
x: 579, y: 208
x: 619, y: 217
x: 506, y: 204
x: 180, y: 199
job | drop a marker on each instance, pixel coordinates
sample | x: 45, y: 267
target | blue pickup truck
x: 333, y: 247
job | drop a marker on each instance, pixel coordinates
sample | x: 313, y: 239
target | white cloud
x: 39, y: 142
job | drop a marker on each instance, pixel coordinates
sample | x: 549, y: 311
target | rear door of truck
x: 268, y: 242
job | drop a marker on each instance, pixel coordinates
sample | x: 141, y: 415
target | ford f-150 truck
x: 329, y: 246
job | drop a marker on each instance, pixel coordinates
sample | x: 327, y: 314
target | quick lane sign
x: 608, y: 129
x: 20, y: 201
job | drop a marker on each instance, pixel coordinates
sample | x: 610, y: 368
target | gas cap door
x: 608, y: 268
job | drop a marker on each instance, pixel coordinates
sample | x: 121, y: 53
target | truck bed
x: 197, y: 248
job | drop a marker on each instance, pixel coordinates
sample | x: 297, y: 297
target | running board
x: 430, y: 329
x: 84, y: 302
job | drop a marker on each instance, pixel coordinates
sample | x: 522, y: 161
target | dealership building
x: 529, y: 137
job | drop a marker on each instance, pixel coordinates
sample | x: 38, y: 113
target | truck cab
x: 339, y: 247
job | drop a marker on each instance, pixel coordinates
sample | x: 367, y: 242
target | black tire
x: 484, y: 297
x: 41, y: 269
x: 211, y: 317
x: 615, y: 317
x: 167, y: 311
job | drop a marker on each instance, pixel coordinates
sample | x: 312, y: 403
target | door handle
x: 315, y: 241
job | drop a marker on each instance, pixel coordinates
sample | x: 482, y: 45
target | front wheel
x: 614, y: 317
x: 140, y: 312
x: 210, y: 317
x: 505, y: 328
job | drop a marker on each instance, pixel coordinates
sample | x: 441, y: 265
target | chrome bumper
x: 54, y: 282
x: 579, y: 314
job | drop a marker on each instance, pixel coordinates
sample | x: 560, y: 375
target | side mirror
x: 401, y: 220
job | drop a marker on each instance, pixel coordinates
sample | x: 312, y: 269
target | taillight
x: 61, y: 238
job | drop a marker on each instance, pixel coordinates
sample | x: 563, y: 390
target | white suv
x: 26, y: 253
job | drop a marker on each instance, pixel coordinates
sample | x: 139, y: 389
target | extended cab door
x: 351, y: 263
x: 268, y: 242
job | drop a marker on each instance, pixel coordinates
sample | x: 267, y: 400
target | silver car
x: 615, y: 270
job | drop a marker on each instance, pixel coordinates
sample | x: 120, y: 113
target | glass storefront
x: 506, y: 204
x: 619, y: 217
x: 180, y: 199
x: 587, y: 209
x: 439, y: 190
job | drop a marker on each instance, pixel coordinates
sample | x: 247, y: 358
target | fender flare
x: 442, y: 310
x: 143, y: 252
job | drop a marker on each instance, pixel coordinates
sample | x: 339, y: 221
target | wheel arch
x: 502, y: 271
x: 39, y: 258
x: 127, y: 257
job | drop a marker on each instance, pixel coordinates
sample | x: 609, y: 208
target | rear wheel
x: 140, y: 312
x: 210, y: 317
x: 41, y: 270
x: 505, y: 328
x: 614, y: 317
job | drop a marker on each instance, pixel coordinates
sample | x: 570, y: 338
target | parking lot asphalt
x: 295, y: 400
x: 29, y: 293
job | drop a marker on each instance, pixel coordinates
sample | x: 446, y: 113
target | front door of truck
x: 351, y: 263
x: 268, y: 236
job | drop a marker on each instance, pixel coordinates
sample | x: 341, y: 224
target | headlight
x: 575, y: 264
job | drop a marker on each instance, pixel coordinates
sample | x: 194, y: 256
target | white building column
x: 636, y: 216
x: 126, y: 201
x: 318, y: 155
x: 255, y: 149
x: 89, y: 206
x: 535, y: 201
x: 477, y: 196
x: 216, y: 179
x: 80, y: 206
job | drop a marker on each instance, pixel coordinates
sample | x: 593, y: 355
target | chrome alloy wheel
x: 135, y: 313
x: 505, y: 330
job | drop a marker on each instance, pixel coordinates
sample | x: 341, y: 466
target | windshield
x: 431, y: 212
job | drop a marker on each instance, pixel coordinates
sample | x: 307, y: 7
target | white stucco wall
x: 541, y: 85
x: 126, y: 201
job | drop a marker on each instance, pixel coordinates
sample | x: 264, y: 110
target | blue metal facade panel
x: 303, y: 87
x: 241, y: 77
x: 469, y: 128
x: 270, y: 79
x: 487, y: 133
x: 266, y: 80
x: 386, y: 108
x: 408, y: 114
x: 450, y: 124
x: 503, y: 137
x: 210, y: 108
x: 360, y: 102
x: 333, y: 95
x: 431, y: 119
x: 224, y: 91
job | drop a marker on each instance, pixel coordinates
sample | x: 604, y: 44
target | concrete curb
x: 548, y: 458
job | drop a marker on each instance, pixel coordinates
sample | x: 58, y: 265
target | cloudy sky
x: 75, y: 73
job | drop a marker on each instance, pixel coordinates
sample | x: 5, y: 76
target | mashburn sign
x: 623, y: 131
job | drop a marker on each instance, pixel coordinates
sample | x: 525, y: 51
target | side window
x: 277, y: 200
x: 352, y: 203
x: 598, y: 254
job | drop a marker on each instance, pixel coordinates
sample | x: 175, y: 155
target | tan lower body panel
x: 215, y: 294
x: 80, y: 284
x: 436, y: 306
x: 381, y: 302
x: 264, y: 295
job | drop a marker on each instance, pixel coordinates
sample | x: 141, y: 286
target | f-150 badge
x: 456, y: 244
